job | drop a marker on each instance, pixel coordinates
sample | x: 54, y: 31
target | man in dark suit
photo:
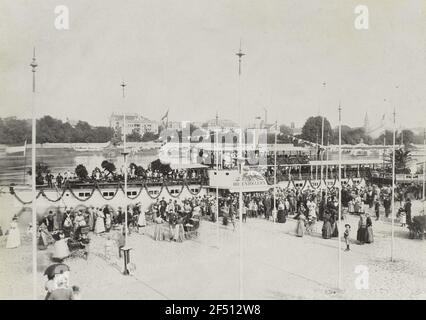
x: 407, y: 209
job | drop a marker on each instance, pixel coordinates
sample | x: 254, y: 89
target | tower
x: 366, y: 123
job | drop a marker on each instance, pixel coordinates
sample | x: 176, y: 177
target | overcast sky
x: 180, y: 55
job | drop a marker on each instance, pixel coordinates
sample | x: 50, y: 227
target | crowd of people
x: 149, y: 175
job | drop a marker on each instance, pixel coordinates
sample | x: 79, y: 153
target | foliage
x: 352, y: 136
x: 41, y: 168
x: 157, y: 165
x: 48, y: 129
x: 139, y: 170
x: 312, y: 130
x: 109, y: 167
x: 402, y: 159
x: 149, y: 136
x: 81, y: 172
x: 135, y: 136
x: 14, y: 131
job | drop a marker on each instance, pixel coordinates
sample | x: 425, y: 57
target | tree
x: 402, y: 159
x: 135, y: 136
x: 352, y: 136
x: 14, y: 131
x: 149, y: 136
x: 81, y: 172
x: 157, y: 165
x: 41, y: 168
x: 312, y: 130
x: 109, y: 167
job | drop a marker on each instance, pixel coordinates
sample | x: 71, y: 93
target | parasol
x: 56, y: 268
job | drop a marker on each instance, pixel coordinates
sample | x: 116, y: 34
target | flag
x: 166, y: 115
x: 10, y: 150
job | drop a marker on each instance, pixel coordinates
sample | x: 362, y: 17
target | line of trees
x: 15, y: 131
x: 312, y: 131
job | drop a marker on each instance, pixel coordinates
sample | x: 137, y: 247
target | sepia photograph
x: 212, y: 150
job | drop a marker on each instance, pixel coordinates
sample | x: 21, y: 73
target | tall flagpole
x: 424, y: 171
x: 240, y: 54
x: 393, y: 187
x: 217, y: 187
x: 33, y: 178
x: 125, y: 153
x: 340, y: 200
x: 274, y: 216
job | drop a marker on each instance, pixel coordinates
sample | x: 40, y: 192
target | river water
x: 14, y: 167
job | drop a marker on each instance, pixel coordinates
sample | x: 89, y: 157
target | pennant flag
x: 166, y: 115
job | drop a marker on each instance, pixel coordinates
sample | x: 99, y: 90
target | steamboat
x: 208, y: 169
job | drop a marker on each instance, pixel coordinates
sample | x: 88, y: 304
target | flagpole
x: 217, y: 187
x: 274, y: 216
x: 340, y: 200
x: 393, y: 187
x: 240, y: 54
x: 25, y: 161
x: 424, y: 170
x: 125, y: 153
x: 33, y: 178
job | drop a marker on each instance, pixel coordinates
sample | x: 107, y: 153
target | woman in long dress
x: 300, y: 230
x: 44, y: 237
x: 326, y: 227
x: 61, y: 250
x: 158, y: 231
x: 14, y: 236
x: 369, y: 232
x: 362, y: 228
x: 141, y: 221
x: 100, y: 222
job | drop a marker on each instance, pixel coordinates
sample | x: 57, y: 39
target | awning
x: 180, y: 166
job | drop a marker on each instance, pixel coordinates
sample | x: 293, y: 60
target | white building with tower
x: 134, y: 122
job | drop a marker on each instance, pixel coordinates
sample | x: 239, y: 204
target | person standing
x: 100, y: 222
x: 346, y: 236
x: 14, y: 236
x: 377, y: 209
x: 362, y: 228
x: 407, y: 209
x: 369, y: 232
x: 326, y: 227
x: 300, y: 229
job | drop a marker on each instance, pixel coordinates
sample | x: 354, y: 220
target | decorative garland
x: 163, y: 185
x: 159, y: 193
x: 105, y: 198
x: 59, y: 198
x: 75, y: 196
x: 189, y: 189
x: 180, y: 192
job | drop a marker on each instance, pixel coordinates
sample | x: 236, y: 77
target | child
x: 402, y: 218
x: 108, y: 248
x: 76, y: 295
x: 346, y: 235
x: 377, y: 209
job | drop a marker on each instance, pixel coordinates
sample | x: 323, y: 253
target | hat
x: 347, y: 225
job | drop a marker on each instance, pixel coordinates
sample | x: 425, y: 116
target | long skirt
x: 361, y: 234
x: 13, y: 239
x: 158, y: 232
x: 100, y: 225
x: 61, y: 250
x: 369, y: 235
x: 326, y: 230
x: 334, y: 230
x: 180, y: 233
x: 300, y: 230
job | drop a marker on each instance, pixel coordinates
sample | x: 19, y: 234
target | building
x: 134, y: 122
x: 220, y: 124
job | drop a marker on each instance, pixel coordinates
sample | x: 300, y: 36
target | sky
x: 180, y: 55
